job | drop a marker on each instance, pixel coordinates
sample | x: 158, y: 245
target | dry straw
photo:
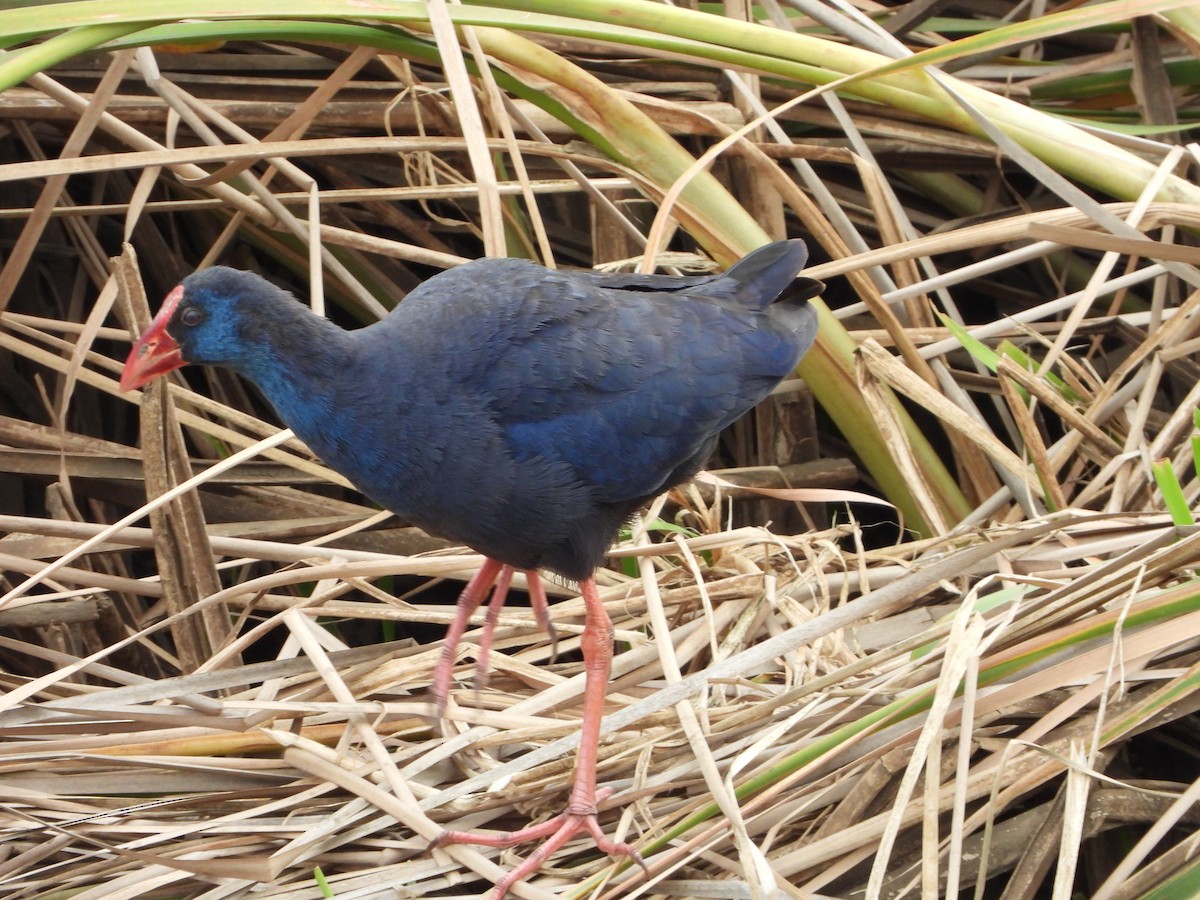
x: 990, y: 693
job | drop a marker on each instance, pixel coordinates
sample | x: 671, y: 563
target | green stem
x: 17, y: 65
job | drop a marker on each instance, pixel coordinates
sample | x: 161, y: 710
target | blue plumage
x: 523, y: 412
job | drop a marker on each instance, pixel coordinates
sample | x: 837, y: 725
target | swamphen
x: 524, y: 412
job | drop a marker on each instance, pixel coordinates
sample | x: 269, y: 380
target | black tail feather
x: 763, y: 276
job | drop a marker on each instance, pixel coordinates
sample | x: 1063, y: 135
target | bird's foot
x: 554, y: 834
x: 580, y: 816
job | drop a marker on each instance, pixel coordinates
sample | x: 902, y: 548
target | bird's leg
x: 541, y: 609
x: 468, y: 601
x: 499, y: 575
x: 495, y: 607
x: 541, y: 615
x: 580, y: 814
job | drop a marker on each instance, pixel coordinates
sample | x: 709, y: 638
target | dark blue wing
x: 622, y: 382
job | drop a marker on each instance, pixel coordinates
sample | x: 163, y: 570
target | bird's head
x: 203, y: 320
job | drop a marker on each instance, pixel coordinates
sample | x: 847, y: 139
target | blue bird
x: 524, y: 412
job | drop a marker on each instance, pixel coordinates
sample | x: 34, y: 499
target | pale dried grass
x: 806, y: 714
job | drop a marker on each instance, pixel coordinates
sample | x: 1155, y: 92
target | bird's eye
x: 191, y: 316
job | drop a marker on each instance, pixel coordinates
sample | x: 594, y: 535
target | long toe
x: 554, y: 834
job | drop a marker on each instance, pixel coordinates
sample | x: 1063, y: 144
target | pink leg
x: 492, y: 572
x: 495, y: 607
x: 468, y: 601
x: 541, y: 609
x: 580, y: 814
